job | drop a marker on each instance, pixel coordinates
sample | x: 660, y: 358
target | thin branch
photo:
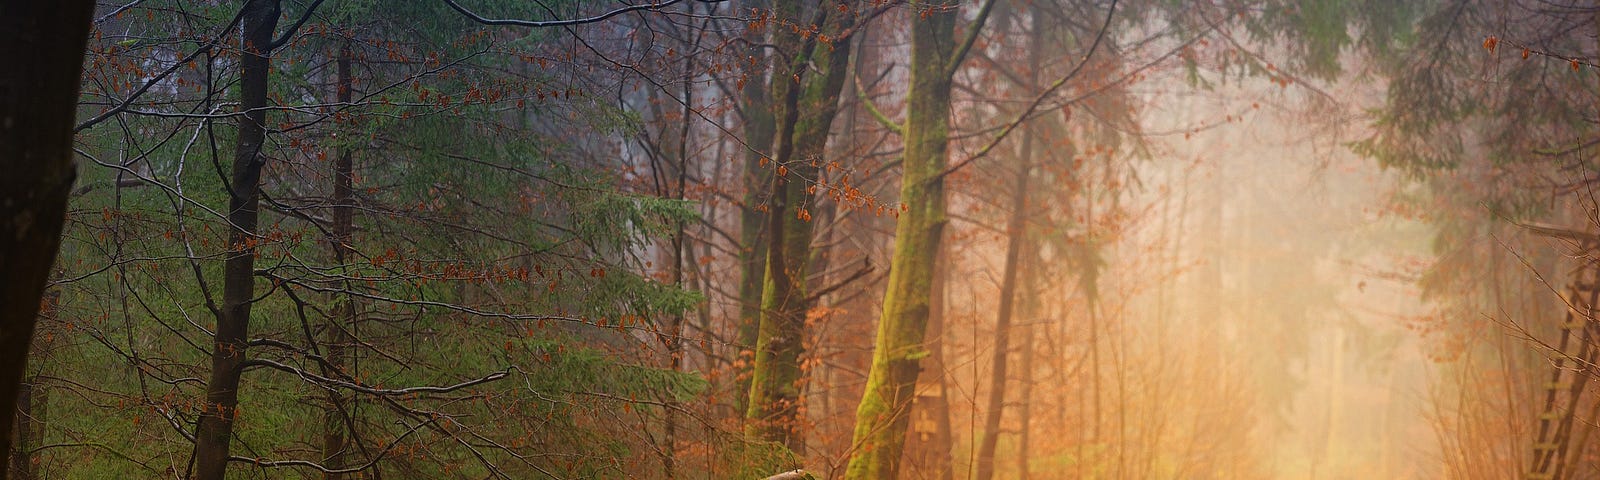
x: 287, y: 34
x: 217, y: 40
x: 1034, y: 105
x: 972, y: 37
x: 872, y: 108
x: 325, y: 381
x: 649, y: 7
x: 866, y: 268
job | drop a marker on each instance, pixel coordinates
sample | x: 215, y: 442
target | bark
x: 759, y: 125
x: 809, y: 102
x: 336, y: 419
x: 32, y: 396
x: 215, y: 430
x: 932, y: 455
x: 1029, y: 306
x: 884, y: 412
x: 42, y: 44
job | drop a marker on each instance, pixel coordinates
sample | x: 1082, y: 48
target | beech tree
x: 807, y: 93
x: 882, y: 417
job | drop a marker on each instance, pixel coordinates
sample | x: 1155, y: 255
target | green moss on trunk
x: 809, y: 102
x: 759, y: 127
x: 884, y: 413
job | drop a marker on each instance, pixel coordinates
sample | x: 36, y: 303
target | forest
x: 800, y: 239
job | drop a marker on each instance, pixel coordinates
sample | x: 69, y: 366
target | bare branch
x: 648, y: 7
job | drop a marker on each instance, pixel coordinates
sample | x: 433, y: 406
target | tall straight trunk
x: 337, y: 419
x: 215, y: 431
x: 675, y: 338
x: 809, y: 103
x: 884, y: 412
x: 42, y: 45
x: 1029, y: 309
x: 759, y: 125
x: 1025, y: 409
x: 1016, y: 228
x: 680, y: 246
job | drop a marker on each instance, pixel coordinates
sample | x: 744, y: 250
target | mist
x: 781, y: 240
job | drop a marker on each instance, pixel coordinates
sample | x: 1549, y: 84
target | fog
x: 780, y: 240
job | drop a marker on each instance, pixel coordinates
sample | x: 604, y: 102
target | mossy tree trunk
x: 42, y: 45
x: 884, y: 412
x: 808, y: 91
x: 756, y: 109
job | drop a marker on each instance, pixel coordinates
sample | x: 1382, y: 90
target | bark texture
x: 215, y: 431
x: 42, y: 46
x: 808, y: 91
x: 756, y: 107
x: 884, y: 412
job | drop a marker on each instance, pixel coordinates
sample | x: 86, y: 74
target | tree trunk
x: 1025, y: 410
x: 337, y: 420
x: 42, y: 44
x: 809, y: 102
x: 213, y: 435
x: 932, y: 455
x: 758, y: 131
x: 884, y: 412
x: 32, y: 396
x: 1016, y: 228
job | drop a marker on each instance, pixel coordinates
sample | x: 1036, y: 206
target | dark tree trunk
x: 213, y: 435
x: 42, y: 45
x: 1016, y: 229
x: 337, y: 420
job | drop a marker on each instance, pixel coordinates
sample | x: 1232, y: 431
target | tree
x: 214, y: 433
x: 882, y: 417
x: 43, y: 45
x: 499, y: 236
x: 807, y: 89
x: 1017, y: 243
x: 759, y: 124
x: 1489, y: 115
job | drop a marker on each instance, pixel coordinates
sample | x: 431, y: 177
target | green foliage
x: 491, y: 237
